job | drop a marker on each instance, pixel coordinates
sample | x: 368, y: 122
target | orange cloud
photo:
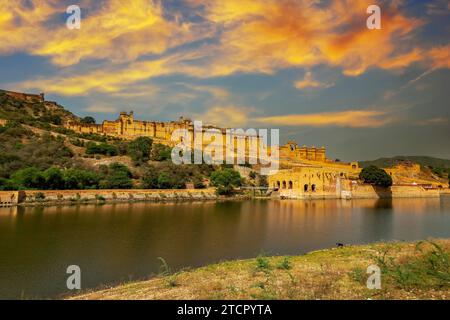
x: 251, y: 36
x: 118, y: 31
x: 112, y: 79
x: 349, y: 118
x: 265, y: 35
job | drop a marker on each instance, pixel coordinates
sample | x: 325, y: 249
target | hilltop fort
x: 305, y: 172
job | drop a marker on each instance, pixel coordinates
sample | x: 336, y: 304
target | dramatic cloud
x: 118, y: 31
x: 108, y: 79
x: 349, y: 118
x: 265, y: 35
x: 227, y: 37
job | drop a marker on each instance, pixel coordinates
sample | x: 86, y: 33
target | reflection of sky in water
x: 118, y: 242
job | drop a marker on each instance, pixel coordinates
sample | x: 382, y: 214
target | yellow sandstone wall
x: 126, y: 127
x: 118, y: 195
x: 9, y: 197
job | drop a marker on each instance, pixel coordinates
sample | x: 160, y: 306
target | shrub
x: 88, y: 120
x: 53, y: 179
x: 29, y: 178
x: 39, y: 196
x: 102, y: 148
x: 226, y: 180
x: 167, y: 176
x: 80, y: 179
x: 160, y: 152
x: 262, y: 263
x: 118, y: 177
x: 139, y: 149
x: 51, y: 118
x: 285, y: 264
x: 8, y: 185
x: 376, y: 176
x: 150, y: 178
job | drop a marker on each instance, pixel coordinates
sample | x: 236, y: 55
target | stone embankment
x: 8, y: 198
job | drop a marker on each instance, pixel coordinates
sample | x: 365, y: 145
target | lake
x: 113, y: 243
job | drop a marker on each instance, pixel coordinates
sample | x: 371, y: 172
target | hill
x: 32, y: 109
x: 38, y: 152
x: 424, y: 161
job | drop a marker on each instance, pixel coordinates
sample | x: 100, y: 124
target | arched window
x: 305, y: 188
x: 290, y: 185
x: 313, y: 188
x: 278, y: 184
x: 284, y: 184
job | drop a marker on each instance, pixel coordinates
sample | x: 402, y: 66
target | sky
x: 311, y: 68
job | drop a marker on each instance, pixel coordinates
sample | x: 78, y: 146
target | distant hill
x: 32, y: 109
x: 424, y: 161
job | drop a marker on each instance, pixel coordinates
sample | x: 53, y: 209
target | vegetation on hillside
x: 32, y: 112
x: 439, y: 167
x: 422, y: 160
x: 37, y: 152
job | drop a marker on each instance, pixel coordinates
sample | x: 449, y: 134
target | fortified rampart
x: 127, y: 127
x: 25, y: 96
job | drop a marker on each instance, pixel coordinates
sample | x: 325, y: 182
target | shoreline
x: 336, y: 274
x: 106, y: 196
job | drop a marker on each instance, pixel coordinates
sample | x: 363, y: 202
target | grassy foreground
x: 419, y: 270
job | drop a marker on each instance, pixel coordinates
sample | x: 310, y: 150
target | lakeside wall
x: 63, y: 196
x: 368, y: 191
x: 11, y: 198
x: 365, y: 191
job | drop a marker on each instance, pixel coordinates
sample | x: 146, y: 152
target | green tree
x: 226, y: 180
x: 101, y: 148
x: 88, y: 120
x: 7, y: 185
x: 80, y: 179
x: 150, y: 178
x: 118, y: 177
x: 376, y: 176
x: 28, y: 178
x: 53, y: 179
x: 160, y: 152
x: 139, y: 149
x: 166, y: 180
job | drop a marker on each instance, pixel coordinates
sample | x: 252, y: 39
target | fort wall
x: 127, y: 127
x: 25, y: 96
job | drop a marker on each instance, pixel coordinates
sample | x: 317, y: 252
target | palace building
x: 309, y: 170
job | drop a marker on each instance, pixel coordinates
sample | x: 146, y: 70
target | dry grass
x: 327, y: 274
